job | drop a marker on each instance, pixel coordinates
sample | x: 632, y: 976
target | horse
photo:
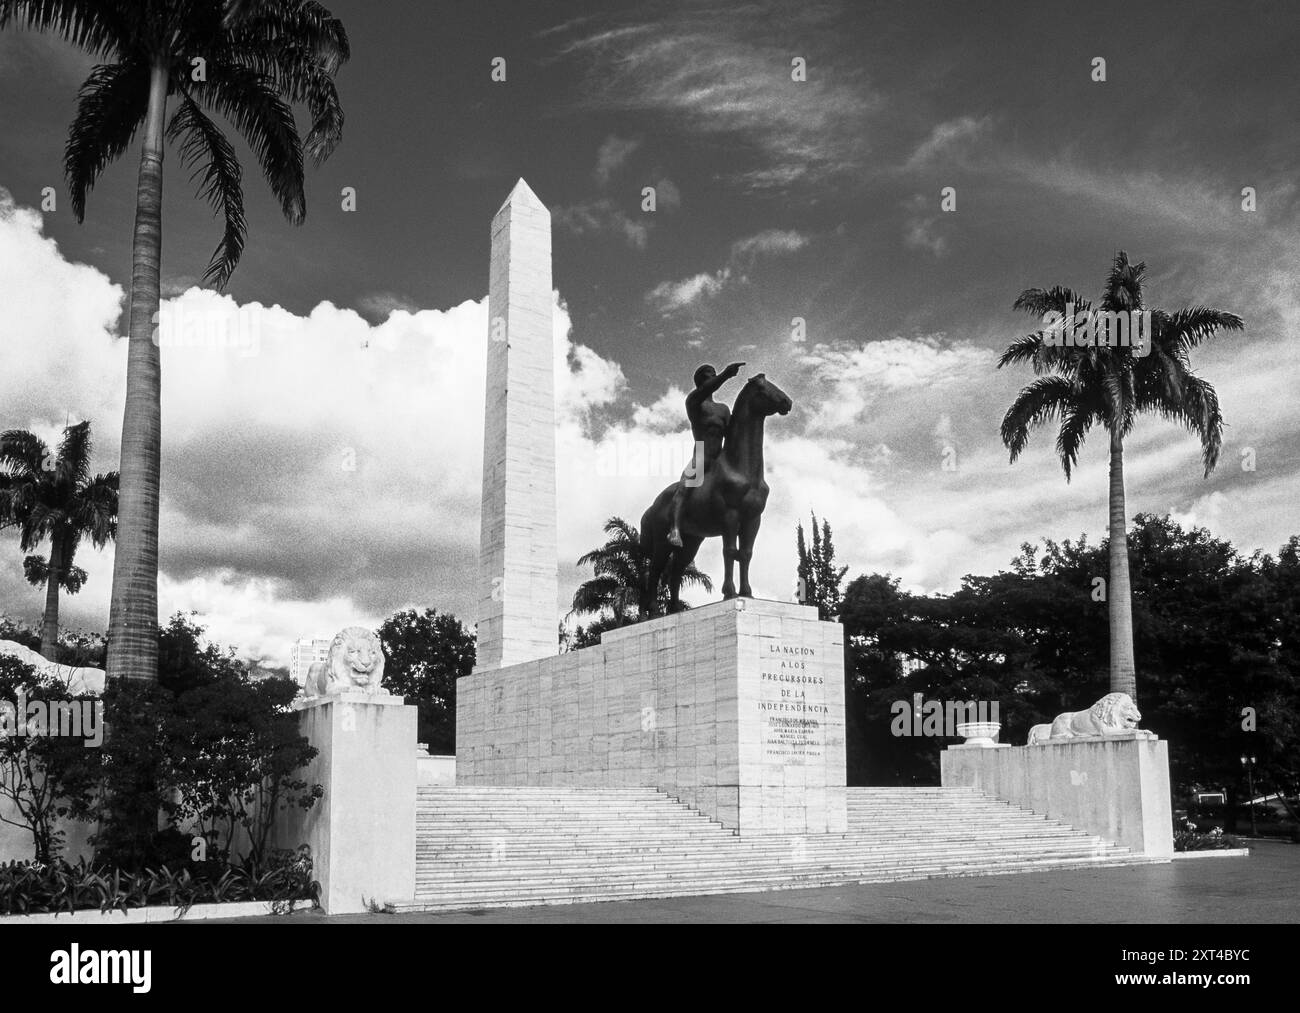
x: 728, y: 502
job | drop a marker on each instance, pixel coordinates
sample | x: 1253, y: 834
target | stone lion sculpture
x: 1113, y: 713
x: 355, y: 664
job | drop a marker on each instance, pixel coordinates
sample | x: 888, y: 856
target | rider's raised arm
x: 707, y: 388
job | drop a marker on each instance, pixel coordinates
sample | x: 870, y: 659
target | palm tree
x: 620, y: 568
x: 248, y: 61
x: 1110, y: 385
x: 46, y: 496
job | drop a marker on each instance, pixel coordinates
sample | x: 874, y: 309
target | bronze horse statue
x: 729, y: 502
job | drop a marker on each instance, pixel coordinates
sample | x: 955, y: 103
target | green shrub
x: 1188, y: 838
x: 208, y: 747
x: 283, y: 878
x: 45, y: 778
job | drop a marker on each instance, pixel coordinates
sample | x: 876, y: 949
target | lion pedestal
x: 1093, y: 769
x: 362, y: 831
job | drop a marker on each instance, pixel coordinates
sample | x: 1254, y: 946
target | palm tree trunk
x: 133, y: 612
x: 50, y: 622
x: 1119, y: 594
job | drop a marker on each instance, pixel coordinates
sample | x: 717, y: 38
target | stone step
x: 563, y: 845
x: 523, y: 895
x: 683, y: 814
x: 508, y: 872
x: 592, y: 845
x: 782, y: 847
x: 911, y: 829
x: 564, y: 839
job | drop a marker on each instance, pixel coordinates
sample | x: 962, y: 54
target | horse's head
x: 765, y: 397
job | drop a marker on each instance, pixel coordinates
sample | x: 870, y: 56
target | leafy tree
x: 206, y: 745
x: 136, y: 783
x: 586, y: 636
x: 77, y: 648
x: 426, y: 653
x: 1219, y: 631
x: 1109, y: 385
x: 186, y: 661
x: 51, y: 496
x: 819, y: 579
x: 45, y: 778
x: 20, y: 633
x: 620, y: 568
x: 235, y: 759
x: 248, y: 61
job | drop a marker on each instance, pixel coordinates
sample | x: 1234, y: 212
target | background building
x: 301, y: 655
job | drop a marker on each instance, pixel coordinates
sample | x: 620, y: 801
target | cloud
x: 601, y: 217
x: 667, y: 196
x: 317, y: 469
x: 613, y: 152
x: 719, y: 72
x: 855, y: 378
x: 666, y: 415
x: 919, y: 228
x: 671, y: 296
x: 947, y: 138
x: 384, y: 304
x: 769, y: 242
x: 321, y: 469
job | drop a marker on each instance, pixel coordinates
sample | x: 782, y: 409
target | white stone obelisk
x: 518, y: 615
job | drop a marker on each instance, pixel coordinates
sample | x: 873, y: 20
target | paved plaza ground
x: 1260, y: 888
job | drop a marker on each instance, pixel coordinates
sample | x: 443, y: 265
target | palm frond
x: 98, y: 28
x: 72, y: 466
x: 1039, y: 301
x: 24, y: 452
x: 111, y: 105
x: 1186, y: 328
x: 249, y: 101
x: 206, y: 150
x: 1035, y: 405
x: 1123, y: 290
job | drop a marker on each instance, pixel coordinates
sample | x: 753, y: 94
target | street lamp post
x: 1249, y: 763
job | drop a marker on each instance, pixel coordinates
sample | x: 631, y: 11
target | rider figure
x: 709, y: 422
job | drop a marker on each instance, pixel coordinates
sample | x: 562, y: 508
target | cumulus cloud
x: 317, y: 468
x: 769, y: 242
x: 920, y: 227
x: 720, y: 73
x: 667, y: 196
x: 613, y: 152
x: 854, y: 378
x: 321, y: 469
x: 948, y: 138
x: 670, y: 296
x: 602, y: 217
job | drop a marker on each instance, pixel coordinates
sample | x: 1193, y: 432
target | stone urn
x: 980, y: 733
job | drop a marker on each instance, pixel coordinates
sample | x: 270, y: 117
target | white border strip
x: 151, y: 915
x: 1214, y: 853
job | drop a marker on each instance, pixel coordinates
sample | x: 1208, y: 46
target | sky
x: 322, y: 417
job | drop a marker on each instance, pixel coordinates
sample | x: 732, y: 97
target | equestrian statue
x: 722, y: 492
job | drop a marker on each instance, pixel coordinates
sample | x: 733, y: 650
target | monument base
x: 736, y: 708
x: 362, y: 832
x: 1116, y: 787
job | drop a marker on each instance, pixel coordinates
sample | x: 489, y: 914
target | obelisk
x: 517, y: 593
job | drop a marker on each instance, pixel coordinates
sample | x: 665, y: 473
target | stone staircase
x: 480, y: 847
